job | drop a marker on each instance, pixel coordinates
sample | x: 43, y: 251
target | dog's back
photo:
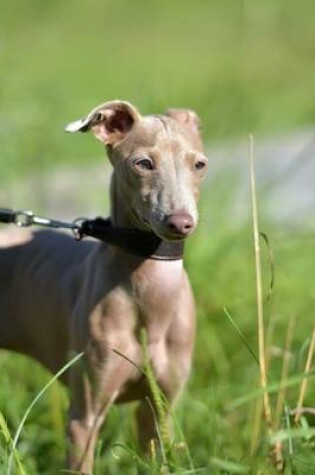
x: 36, y: 272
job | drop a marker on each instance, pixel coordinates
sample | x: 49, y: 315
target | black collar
x: 141, y: 243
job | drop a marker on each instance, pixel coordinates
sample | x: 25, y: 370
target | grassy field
x: 245, y: 66
x: 221, y: 266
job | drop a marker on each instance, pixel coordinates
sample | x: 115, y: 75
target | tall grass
x: 259, y: 291
x: 216, y: 426
x: 13, y: 442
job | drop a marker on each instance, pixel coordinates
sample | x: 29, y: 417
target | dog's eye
x: 200, y: 165
x: 144, y: 164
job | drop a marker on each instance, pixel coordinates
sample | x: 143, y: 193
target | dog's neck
x: 134, y: 236
x: 121, y: 212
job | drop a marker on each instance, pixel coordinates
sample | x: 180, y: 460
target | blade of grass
x: 240, y: 334
x: 280, y: 404
x: 284, y: 372
x: 183, y: 444
x: 228, y: 466
x: 8, y: 439
x: 131, y: 452
x: 269, y: 339
x: 305, y: 381
x: 303, y: 410
x: 258, y: 405
x: 288, y: 427
x: 35, y: 400
x: 148, y: 373
x: 256, y: 425
x: 271, y: 389
x: 259, y: 293
x: 287, y: 434
x: 271, y: 265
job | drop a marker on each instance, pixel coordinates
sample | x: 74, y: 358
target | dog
x: 59, y: 297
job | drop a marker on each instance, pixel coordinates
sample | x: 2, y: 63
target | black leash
x: 28, y: 218
x: 134, y: 241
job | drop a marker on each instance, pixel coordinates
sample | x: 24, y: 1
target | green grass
x: 215, y: 421
x: 245, y: 66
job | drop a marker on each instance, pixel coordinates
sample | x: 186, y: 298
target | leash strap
x: 134, y: 241
x: 28, y: 218
x: 7, y: 216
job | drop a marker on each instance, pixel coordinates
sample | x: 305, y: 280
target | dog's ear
x: 186, y: 117
x: 110, y: 122
x: 190, y: 120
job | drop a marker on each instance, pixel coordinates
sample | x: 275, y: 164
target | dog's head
x: 158, y: 163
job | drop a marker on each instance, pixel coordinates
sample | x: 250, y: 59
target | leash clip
x: 77, y: 228
x: 24, y: 219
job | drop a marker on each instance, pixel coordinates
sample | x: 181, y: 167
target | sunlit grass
x: 215, y: 415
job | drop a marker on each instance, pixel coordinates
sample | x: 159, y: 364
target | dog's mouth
x: 164, y: 232
x: 172, y: 236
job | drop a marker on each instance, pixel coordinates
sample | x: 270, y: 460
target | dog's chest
x: 156, y: 288
x: 151, y: 300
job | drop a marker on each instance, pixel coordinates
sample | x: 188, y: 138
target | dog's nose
x: 180, y: 223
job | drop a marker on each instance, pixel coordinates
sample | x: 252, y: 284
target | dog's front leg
x: 82, y: 438
x: 93, y: 393
x: 83, y: 432
x: 86, y: 416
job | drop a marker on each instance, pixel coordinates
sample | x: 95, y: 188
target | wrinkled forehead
x: 154, y: 131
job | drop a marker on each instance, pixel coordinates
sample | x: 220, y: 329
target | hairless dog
x: 58, y: 297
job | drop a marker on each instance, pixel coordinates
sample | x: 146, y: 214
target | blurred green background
x: 244, y: 66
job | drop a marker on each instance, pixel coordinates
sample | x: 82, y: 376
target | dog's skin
x: 58, y: 296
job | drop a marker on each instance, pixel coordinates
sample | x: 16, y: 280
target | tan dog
x: 58, y: 296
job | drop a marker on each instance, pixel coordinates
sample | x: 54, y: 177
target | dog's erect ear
x: 110, y: 122
x: 185, y: 117
x: 190, y: 120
